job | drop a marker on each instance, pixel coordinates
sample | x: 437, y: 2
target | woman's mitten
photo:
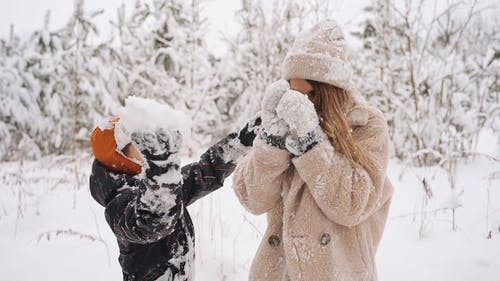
x: 301, y: 117
x: 274, y: 129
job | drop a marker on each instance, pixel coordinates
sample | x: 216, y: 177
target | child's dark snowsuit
x: 147, y: 212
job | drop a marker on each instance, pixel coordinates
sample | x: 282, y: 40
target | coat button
x: 274, y: 240
x: 325, y: 239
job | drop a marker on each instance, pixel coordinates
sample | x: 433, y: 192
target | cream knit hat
x: 320, y: 54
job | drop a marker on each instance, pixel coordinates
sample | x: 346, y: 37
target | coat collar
x: 357, y: 110
x: 357, y: 116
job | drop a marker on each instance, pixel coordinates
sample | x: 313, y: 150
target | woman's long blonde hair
x: 329, y: 102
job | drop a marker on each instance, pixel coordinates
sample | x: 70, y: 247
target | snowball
x: 140, y: 114
x: 104, y: 124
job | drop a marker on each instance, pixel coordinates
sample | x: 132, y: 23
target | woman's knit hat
x: 320, y: 54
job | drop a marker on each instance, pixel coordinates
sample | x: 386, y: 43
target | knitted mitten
x: 299, y: 114
x: 274, y: 129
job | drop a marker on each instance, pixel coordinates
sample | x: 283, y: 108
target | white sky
x: 27, y: 15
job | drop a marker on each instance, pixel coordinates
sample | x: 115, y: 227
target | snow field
x: 51, y: 228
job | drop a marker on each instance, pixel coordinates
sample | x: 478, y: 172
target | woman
x: 317, y: 169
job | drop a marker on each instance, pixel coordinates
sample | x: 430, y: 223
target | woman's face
x: 301, y: 85
x: 304, y: 87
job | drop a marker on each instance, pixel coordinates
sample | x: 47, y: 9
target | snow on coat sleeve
x: 258, y: 177
x: 215, y: 165
x: 347, y: 195
x: 128, y: 209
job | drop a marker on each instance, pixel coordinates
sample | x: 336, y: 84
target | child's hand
x: 159, y: 149
x: 158, y: 145
x: 248, y: 133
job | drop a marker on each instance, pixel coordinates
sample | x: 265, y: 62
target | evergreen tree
x: 165, y: 58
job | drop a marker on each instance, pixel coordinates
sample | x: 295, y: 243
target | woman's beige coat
x: 325, y: 218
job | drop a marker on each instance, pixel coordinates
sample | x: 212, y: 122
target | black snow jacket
x: 148, y: 214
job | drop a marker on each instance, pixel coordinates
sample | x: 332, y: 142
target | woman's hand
x: 299, y: 114
x: 274, y: 129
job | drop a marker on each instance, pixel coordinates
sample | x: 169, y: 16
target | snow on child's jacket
x: 147, y: 211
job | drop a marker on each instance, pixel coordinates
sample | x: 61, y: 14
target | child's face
x: 131, y: 151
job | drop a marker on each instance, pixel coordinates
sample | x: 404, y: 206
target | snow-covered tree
x: 418, y: 71
x: 436, y: 79
x: 165, y: 57
x: 56, y: 87
x: 255, y: 55
x: 20, y: 114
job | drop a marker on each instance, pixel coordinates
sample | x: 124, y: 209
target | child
x: 146, y: 202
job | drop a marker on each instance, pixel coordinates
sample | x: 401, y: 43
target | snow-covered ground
x: 51, y: 229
